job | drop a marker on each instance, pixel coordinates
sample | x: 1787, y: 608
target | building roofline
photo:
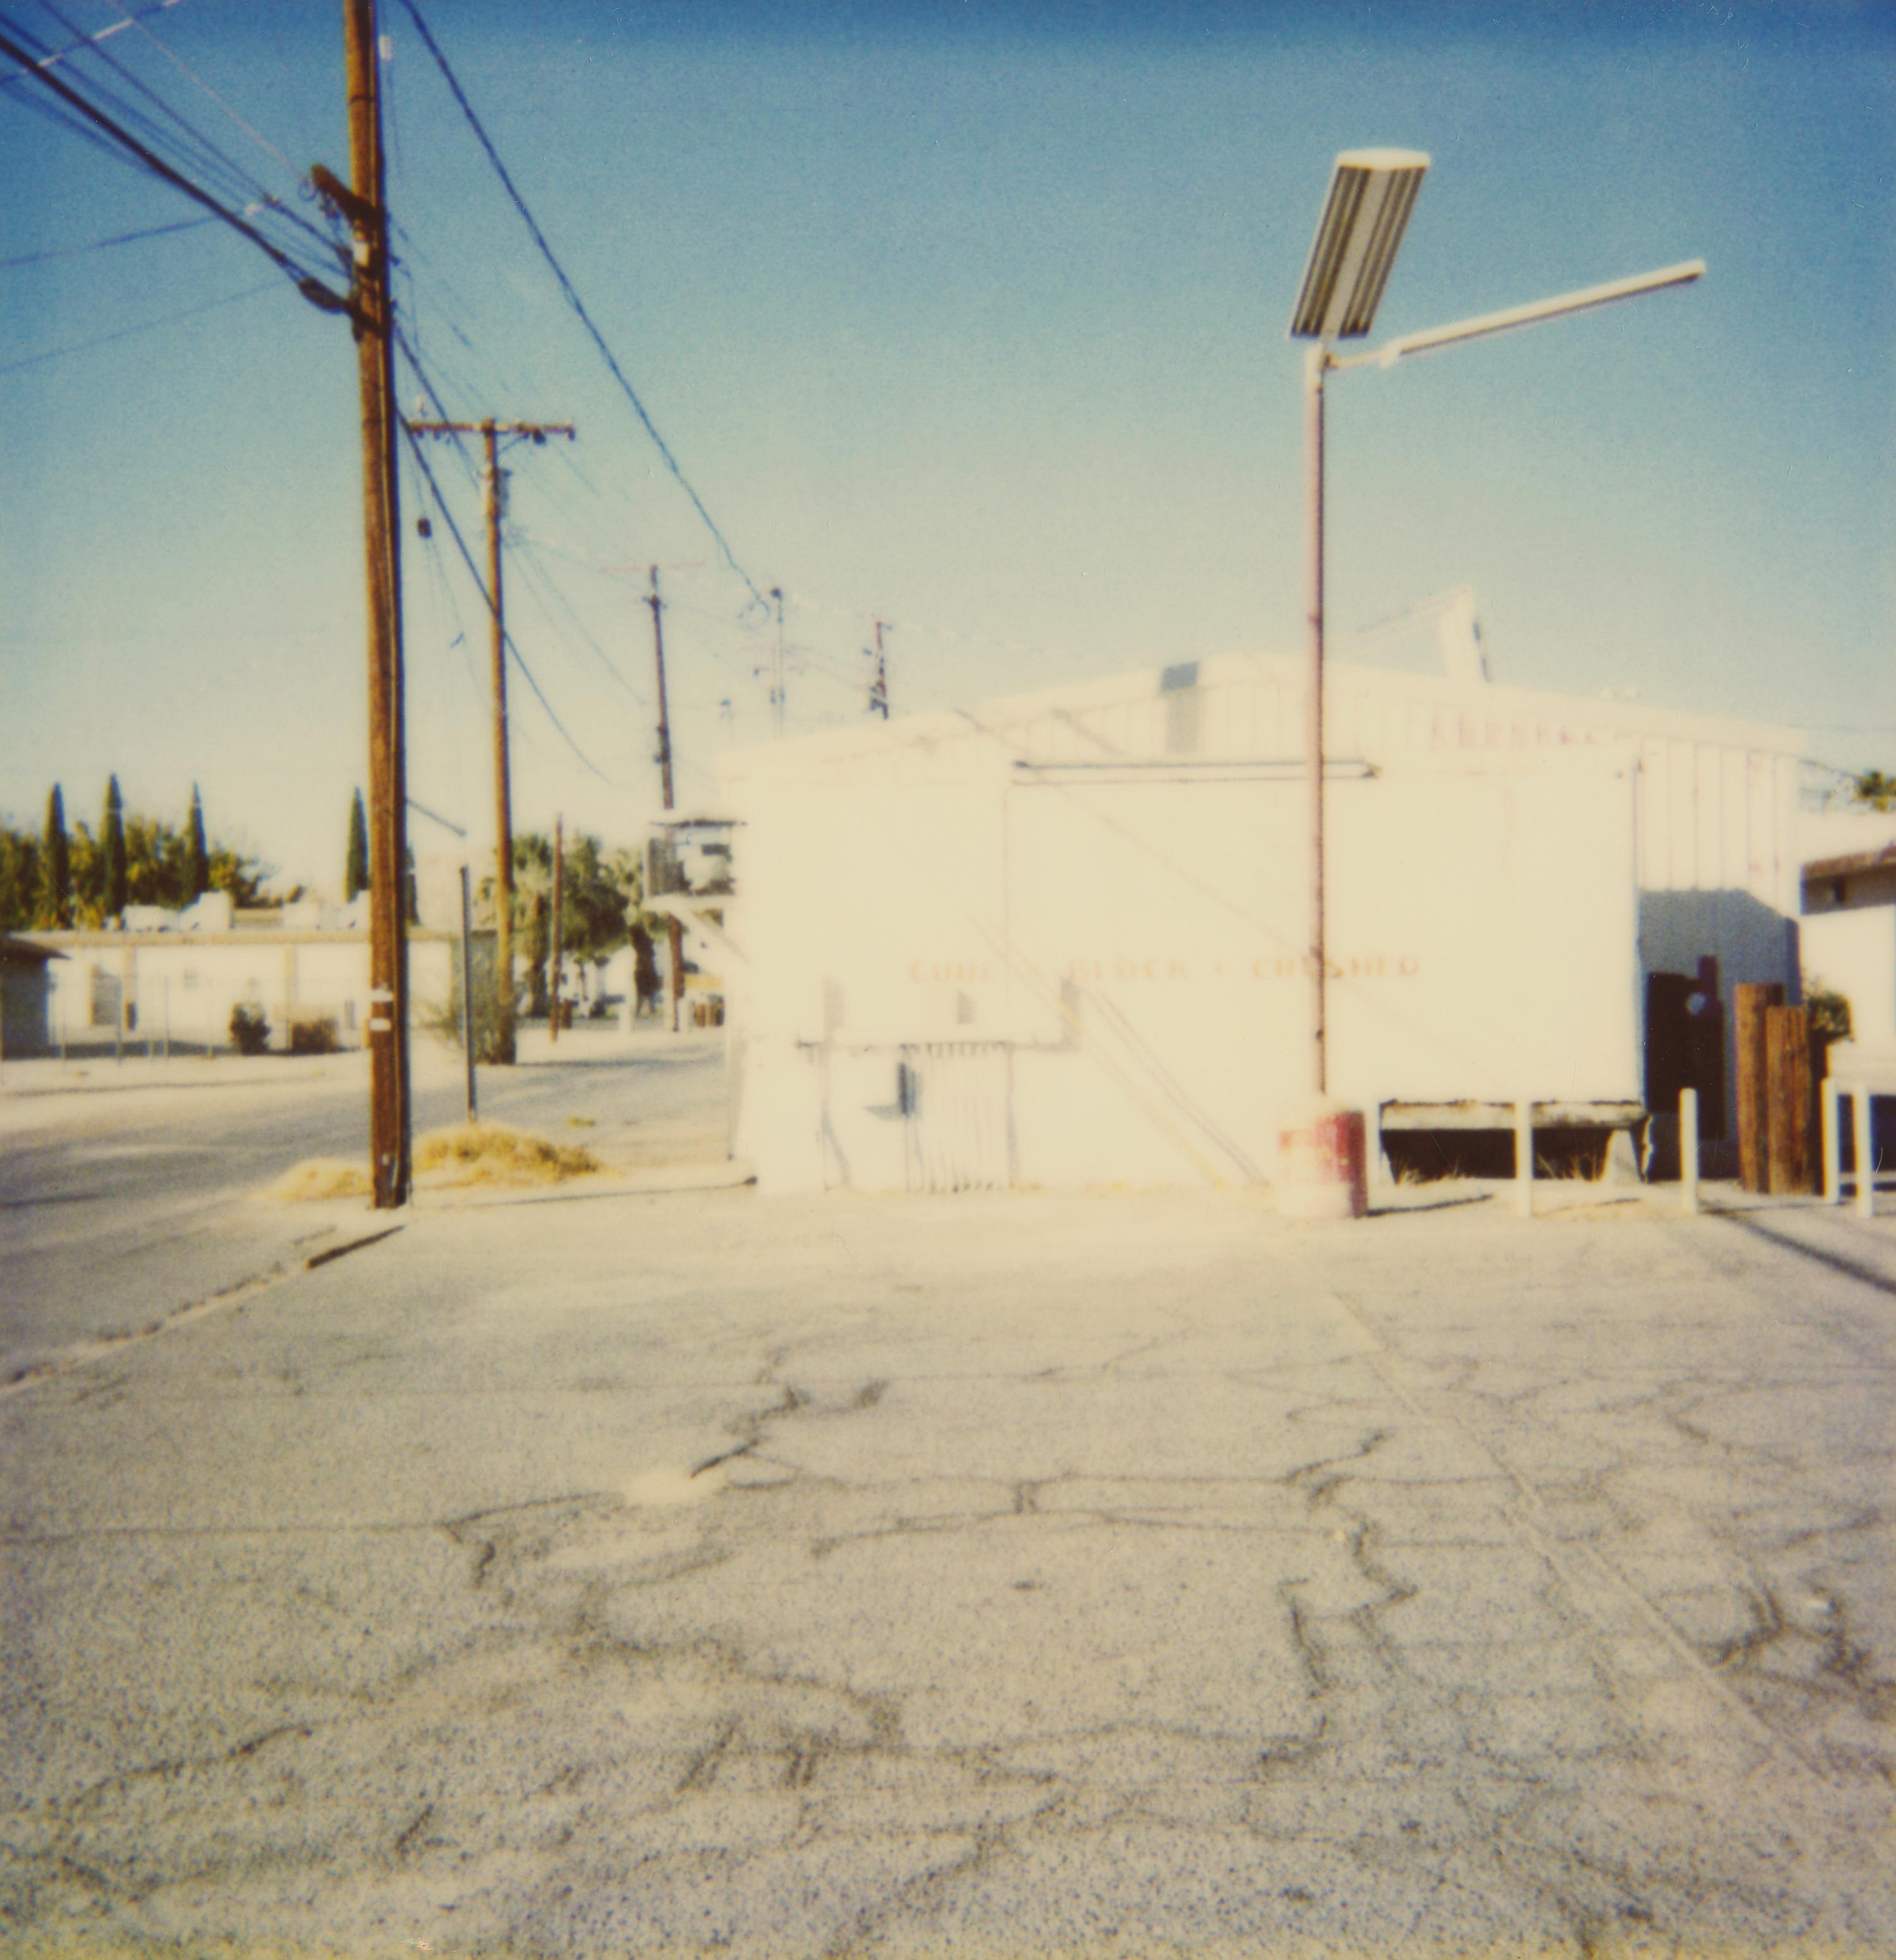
x: 1884, y: 860
x: 1628, y: 720
x: 88, y: 937
x: 17, y: 946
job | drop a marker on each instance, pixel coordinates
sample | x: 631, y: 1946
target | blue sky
x: 972, y: 315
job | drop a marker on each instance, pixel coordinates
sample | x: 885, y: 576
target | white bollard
x: 1689, y: 1151
x: 1524, y: 1158
x: 1865, y: 1168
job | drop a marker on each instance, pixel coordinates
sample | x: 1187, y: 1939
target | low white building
x: 1061, y: 939
x: 169, y: 978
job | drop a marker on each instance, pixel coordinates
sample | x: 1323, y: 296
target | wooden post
x: 1688, y: 1150
x: 1753, y: 998
x: 1787, y: 1075
x: 1524, y: 1157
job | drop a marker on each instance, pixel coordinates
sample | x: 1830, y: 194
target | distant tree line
x: 599, y: 894
x: 64, y: 877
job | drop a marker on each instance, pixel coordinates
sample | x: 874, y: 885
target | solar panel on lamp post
x: 1371, y: 193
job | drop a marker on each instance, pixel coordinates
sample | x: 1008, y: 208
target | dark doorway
x: 1685, y: 1045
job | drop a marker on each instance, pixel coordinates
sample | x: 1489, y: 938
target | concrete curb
x: 733, y: 1175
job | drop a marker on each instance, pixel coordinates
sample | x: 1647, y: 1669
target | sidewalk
x: 102, y: 1073
x: 1006, y: 1573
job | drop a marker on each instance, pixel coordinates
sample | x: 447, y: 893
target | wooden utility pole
x: 674, y: 929
x: 878, y: 686
x: 491, y: 432
x: 372, y: 312
x: 664, y: 758
x: 559, y: 877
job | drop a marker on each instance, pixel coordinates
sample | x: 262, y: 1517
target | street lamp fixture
x: 1371, y: 193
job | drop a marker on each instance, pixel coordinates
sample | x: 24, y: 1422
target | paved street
x: 1017, y: 1574
x: 126, y: 1191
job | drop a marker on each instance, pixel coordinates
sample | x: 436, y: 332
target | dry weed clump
x: 318, y: 1178
x: 490, y: 1153
x: 470, y: 1153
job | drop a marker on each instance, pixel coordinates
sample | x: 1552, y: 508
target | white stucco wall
x: 1853, y: 953
x: 183, y: 986
x: 1013, y: 881
x: 1120, y: 957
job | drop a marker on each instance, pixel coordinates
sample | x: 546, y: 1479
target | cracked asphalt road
x: 120, y: 1206
x: 998, y: 1574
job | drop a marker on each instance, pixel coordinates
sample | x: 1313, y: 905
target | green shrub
x: 316, y: 1035
x: 1829, y: 1012
x: 249, y: 1031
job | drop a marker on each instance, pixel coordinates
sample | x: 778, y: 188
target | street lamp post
x: 1371, y: 193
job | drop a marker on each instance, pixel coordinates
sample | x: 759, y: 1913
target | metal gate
x: 956, y: 1120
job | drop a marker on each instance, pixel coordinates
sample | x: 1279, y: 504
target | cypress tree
x: 355, y: 873
x: 56, y: 866
x: 112, y: 837
x: 197, y: 852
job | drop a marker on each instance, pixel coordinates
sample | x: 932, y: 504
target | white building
x: 169, y: 977
x: 1061, y: 939
x: 1849, y: 928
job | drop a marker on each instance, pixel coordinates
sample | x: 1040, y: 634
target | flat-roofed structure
x: 1060, y: 939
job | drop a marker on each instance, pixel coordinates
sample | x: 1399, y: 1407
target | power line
x: 311, y: 287
x: 438, y: 581
x: 100, y: 244
x: 143, y: 326
x: 192, y: 75
x: 198, y: 150
x: 574, y: 301
x: 441, y: 408
x: 89, y: 40
x: 543, y: 585
x: 211, y: 155
x: 467, y: 558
